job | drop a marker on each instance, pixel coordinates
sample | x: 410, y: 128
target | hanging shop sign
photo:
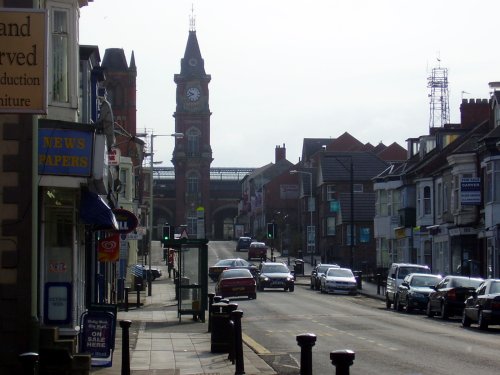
x: 23, y: 61
x: 127, y: 221
x: 65, y: 152
x: 108, y: 249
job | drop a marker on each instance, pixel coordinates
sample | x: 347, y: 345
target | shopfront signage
x: 470, y: 191
x: 108, y: 249
x: 65, y: 152
x: 127, y: 221
x: 23, y: 61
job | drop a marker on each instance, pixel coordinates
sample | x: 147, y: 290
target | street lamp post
x: 151, y: 226
x: 310, y: 206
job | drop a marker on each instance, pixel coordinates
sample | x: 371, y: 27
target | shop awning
x: 96, y: 212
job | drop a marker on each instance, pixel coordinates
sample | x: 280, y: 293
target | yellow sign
x: 23, y: 61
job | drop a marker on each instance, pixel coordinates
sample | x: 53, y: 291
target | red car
x: 257, y: 250
x: 236, y: 282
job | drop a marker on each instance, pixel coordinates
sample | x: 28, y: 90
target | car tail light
x: 495, y: 305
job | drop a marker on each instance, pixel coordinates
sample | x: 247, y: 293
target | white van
x: 395, y: 276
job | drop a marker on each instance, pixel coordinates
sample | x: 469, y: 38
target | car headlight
x: 289, y: 278
x: 264, y: 278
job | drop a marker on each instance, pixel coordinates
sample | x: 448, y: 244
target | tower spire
x: 192, y: 20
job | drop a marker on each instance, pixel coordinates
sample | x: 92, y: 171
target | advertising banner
x: 108, y: 249
x: 23, y: 58
x: 98, y: 337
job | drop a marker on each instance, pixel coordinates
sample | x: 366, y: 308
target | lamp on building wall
x: 151, y: 226
x: 311, y: 232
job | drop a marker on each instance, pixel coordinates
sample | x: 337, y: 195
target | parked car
x: 395, y: 276
x: 316, y: 273
x: 236, y: 282
x: 257, y: 250
x: 225, y: 264
x: 483, y: 307
x: 243, y: 243
x: 275, y: 275
x: 449, y: 295
x: 340, y: 280
x: 414, y: 291
x: 142, y: 271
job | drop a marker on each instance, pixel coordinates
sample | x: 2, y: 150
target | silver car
x: 340, y: 280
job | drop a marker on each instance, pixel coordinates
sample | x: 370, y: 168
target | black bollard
x: 127, y: 290
x: 29, y: 362
x: 379, y: 277
x: 342, y: 360
x: 125, y: 324
x: 238, y: 342
x: 306, y: 341
x: 210, y: 303
x: 138, y: 290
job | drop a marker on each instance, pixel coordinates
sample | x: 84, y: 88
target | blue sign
x: 470, y: 191
x: 98, y: 337
x: 65, y: 152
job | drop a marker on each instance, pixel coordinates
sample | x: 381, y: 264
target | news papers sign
x: 470, y: 191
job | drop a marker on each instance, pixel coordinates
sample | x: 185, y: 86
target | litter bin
x: 357, y: 276
x: 221, y: 339
x: 299, y: 267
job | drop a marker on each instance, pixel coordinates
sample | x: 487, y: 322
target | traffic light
x: 271, y: 231
x: 167, y: 233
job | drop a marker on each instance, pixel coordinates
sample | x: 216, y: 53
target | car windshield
x: 339, y: 272
x: 407, y: 270
x: 242, y: 272
x: 322, y: 269
x: 424, y: 280
x: 225, y: 262
x: 274, y: 268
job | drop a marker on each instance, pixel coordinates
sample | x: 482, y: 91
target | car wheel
x: 252, y: 296
x: 466, y: 321
x: 429, y: 311
x: 387, y: 302
x: 444, y: 311
x: 408, y: 307
x: 481, y: 321
x: 290, y: 289
x: 312, y: 286
x: 321, y: 289
x: 317, y: 286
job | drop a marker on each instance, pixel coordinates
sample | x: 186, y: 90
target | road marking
x: 257, y: 348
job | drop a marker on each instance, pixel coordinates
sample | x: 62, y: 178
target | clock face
x: 193, y: 94
x: 192, y: 61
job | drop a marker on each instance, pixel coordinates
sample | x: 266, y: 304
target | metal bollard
x: 342, y: 360
x: 238, y: 342
x: 29, y: 362
x: 306, y: 341
x: 138, y: 290
x: 210, y: 303
x: 125, y: 324
x: 379, y: 277
x: 127, y: 290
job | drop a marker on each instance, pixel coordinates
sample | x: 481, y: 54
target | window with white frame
x: 357, y: 188
x: 439, y: 199
x: 330, y: 192
x: 492, y: 182
x: 60, y: 52
x: 63, y: 46
x: 396, y: 202
x: 123, y: 182
x: 427, y: 200
x: 382, y: 194
x: 331, y: 226
x: 389, y: 202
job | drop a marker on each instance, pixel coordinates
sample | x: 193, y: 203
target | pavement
x: 162, y: 342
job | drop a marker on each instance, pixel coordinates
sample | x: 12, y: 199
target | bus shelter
x: 191, y: 276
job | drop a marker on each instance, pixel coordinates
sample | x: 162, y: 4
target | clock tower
x: 192, y: 155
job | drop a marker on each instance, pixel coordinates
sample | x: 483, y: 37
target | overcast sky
x: 283, y: 70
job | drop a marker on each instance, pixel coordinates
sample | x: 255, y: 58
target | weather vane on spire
x: 192, y: 20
